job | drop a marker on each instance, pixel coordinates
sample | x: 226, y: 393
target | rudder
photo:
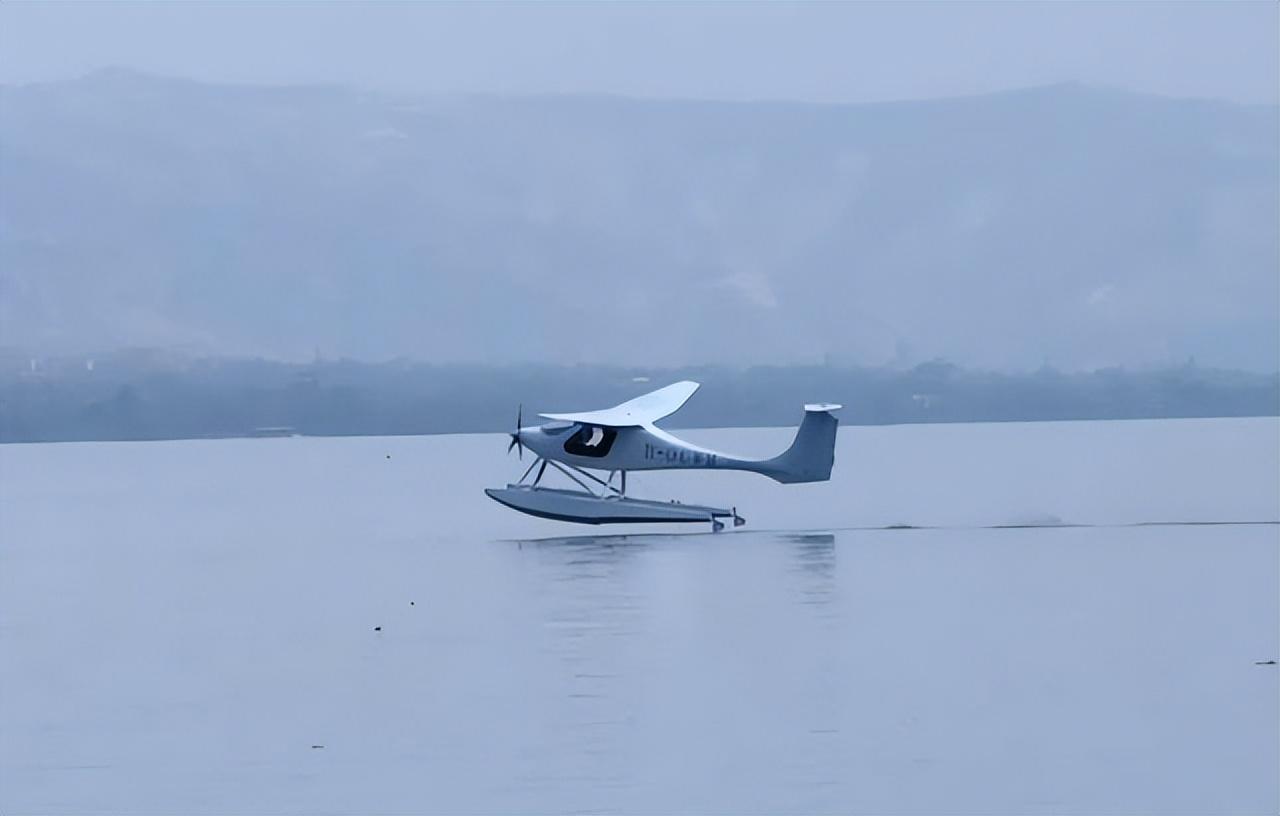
x: 812, y: 452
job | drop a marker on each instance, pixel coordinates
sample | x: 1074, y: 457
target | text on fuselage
x: 678, y: 456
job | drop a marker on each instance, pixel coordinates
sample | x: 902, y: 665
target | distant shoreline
x: 144, y: 396
x: 673, y: 428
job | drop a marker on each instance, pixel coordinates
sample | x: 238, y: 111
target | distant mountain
x: 1067, y: 225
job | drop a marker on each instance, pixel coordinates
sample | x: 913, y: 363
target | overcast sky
x: 816, y: 52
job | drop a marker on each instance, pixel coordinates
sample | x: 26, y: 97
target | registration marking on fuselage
x: 676, y: 456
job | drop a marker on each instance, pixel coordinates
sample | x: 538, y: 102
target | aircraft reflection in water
x: 623, y: 438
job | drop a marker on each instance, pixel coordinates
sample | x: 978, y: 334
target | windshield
x: 591, y: 440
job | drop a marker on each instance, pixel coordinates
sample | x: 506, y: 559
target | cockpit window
x: 556, y: 428
x: 591, y: 440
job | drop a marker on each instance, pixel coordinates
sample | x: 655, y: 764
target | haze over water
x: 189, y: 627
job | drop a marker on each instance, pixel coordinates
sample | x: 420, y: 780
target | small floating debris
x: 388, y: 456
x: 410, y: 603
x: 314, y: 747
x: 1264, y: 662
x: 377, y: 628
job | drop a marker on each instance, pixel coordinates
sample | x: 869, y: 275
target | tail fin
x: 813, y: 451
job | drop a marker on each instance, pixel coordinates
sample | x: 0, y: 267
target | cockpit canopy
x: 591, y: 440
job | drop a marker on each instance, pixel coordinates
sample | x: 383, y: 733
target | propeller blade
x: 515, y: 437
x: 512, y: 443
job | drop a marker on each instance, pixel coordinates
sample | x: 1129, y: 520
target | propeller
x: 515, y: 437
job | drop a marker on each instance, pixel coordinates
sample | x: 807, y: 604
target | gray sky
x: 818, y: 52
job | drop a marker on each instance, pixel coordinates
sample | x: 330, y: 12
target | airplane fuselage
x: 647, y: 447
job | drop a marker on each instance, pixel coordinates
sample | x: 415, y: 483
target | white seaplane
x: 624, y: 438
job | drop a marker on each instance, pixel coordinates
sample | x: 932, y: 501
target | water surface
x: 183, y: 623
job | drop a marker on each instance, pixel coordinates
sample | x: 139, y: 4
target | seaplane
x: 624, y: 438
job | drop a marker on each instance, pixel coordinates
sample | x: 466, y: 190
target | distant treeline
x: 156, y: 396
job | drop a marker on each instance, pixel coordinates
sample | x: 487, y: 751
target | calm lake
x: 349, y: 626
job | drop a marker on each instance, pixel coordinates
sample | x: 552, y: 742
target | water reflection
x: 653, y: 637
x: 814, y: 551
x: 602, y: 544
x: 593, y: 608
x: 814, y: 570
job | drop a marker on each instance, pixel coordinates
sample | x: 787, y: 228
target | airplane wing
x: 642, y: 410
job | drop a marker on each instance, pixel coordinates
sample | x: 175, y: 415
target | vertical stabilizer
x: 812, y: 453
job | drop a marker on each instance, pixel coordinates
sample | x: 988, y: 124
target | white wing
x: 643, y: 410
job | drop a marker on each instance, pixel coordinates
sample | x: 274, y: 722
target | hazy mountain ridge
x: 1073, y: 225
